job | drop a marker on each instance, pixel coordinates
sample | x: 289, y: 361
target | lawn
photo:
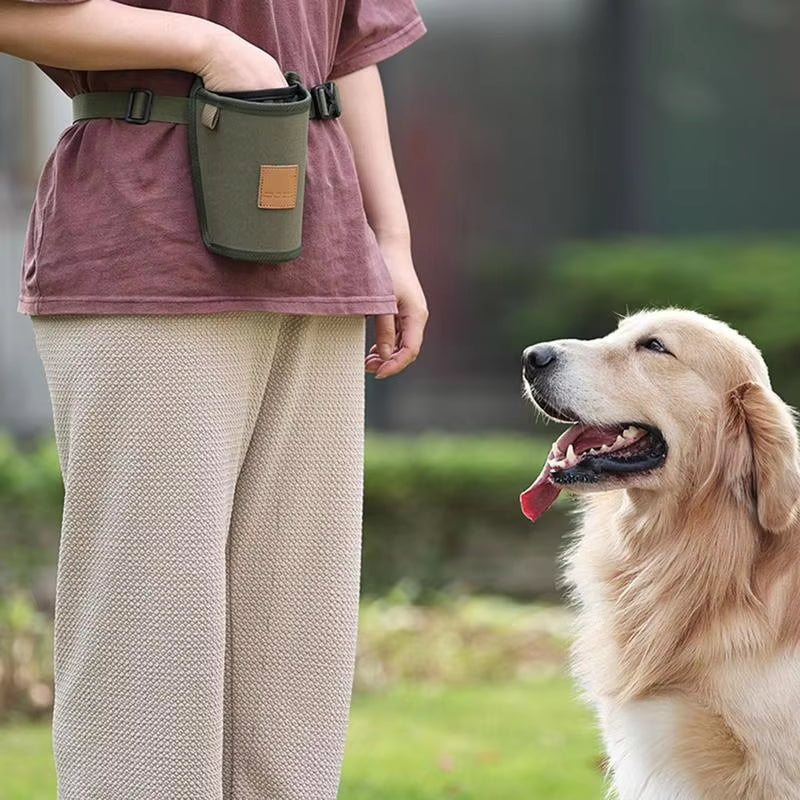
x: 520, y: 740
x: 527, y: 740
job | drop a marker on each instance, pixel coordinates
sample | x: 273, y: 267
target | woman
x: 208, y: 412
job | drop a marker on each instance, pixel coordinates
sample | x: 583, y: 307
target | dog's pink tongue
x: 538, y: 497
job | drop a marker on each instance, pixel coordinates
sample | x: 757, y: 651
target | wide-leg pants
x: 208, y: 571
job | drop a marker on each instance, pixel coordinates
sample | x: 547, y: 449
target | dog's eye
x: 651, y: 343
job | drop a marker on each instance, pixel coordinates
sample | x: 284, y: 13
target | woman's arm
x: 105, y: 35
x: 398, y: 339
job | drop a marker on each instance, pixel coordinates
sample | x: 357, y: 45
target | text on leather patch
x: 277, y: 187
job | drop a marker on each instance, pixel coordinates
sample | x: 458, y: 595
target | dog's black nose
x: 537, y: 357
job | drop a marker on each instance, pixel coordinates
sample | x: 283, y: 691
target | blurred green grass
x: 460, y: 698
x: 511, y: 741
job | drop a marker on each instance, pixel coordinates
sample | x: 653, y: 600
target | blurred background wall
x: 520, y: 126
x: 32, y: 114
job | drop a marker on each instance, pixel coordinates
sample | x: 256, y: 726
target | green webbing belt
x: 141, y: 106
x: 131, y: 106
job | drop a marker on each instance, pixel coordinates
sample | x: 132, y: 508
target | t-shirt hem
x: 362, y: 306
x: 381, y: 50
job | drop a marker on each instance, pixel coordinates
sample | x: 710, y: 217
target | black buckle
x: 325, y: 99
x: 139, y: 110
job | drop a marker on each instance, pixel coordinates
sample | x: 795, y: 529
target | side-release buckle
x: 140, y: 106
x: 325, y: 101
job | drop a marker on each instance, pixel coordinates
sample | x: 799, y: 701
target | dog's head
x: 671, y: 399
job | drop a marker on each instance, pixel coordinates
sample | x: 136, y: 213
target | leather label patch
x: 277, y: 187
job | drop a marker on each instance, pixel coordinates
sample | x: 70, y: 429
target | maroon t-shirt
x: 114, y: 228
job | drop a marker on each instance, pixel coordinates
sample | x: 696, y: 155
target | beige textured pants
x: 208, y: 571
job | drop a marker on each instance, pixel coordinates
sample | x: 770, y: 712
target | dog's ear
x: 765, y: 453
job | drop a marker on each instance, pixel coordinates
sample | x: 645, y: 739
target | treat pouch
x: 248, y: 160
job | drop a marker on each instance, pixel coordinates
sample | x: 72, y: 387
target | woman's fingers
x: 385, y: 336
x: 411, y: 332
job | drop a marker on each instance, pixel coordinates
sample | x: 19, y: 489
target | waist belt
x: 140, y: 106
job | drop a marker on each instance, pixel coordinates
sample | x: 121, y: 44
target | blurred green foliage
x: 451, y: 639
x: 457, y: 639
x: 31, y: 498
x: 424, y: 497
x: 463, y: 471
x: 25, y: 658
x: 428, y: 499
x: 752, y: 284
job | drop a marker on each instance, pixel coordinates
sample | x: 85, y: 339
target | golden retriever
x: 686, y: 568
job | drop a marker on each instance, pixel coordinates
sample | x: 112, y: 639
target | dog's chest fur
x: 673, y: 747
x: 683, y: 664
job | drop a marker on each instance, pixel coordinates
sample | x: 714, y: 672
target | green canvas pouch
x: 248, y: 159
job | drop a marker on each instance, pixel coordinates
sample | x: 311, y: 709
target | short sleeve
x: 373, y: 30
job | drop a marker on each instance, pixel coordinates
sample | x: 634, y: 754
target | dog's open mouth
x: 594, y: 454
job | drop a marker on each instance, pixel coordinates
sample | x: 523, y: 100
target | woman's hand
x: 398, y: 338
x: 234, y: 65
x: 107, y: 35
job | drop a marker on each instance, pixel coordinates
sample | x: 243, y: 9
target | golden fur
x: 687, y: 578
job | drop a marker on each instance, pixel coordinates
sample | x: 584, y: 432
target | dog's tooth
x: 619, y: 441
x: 605, y: 448
x: 630, y: 432
x: 571, y: 457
